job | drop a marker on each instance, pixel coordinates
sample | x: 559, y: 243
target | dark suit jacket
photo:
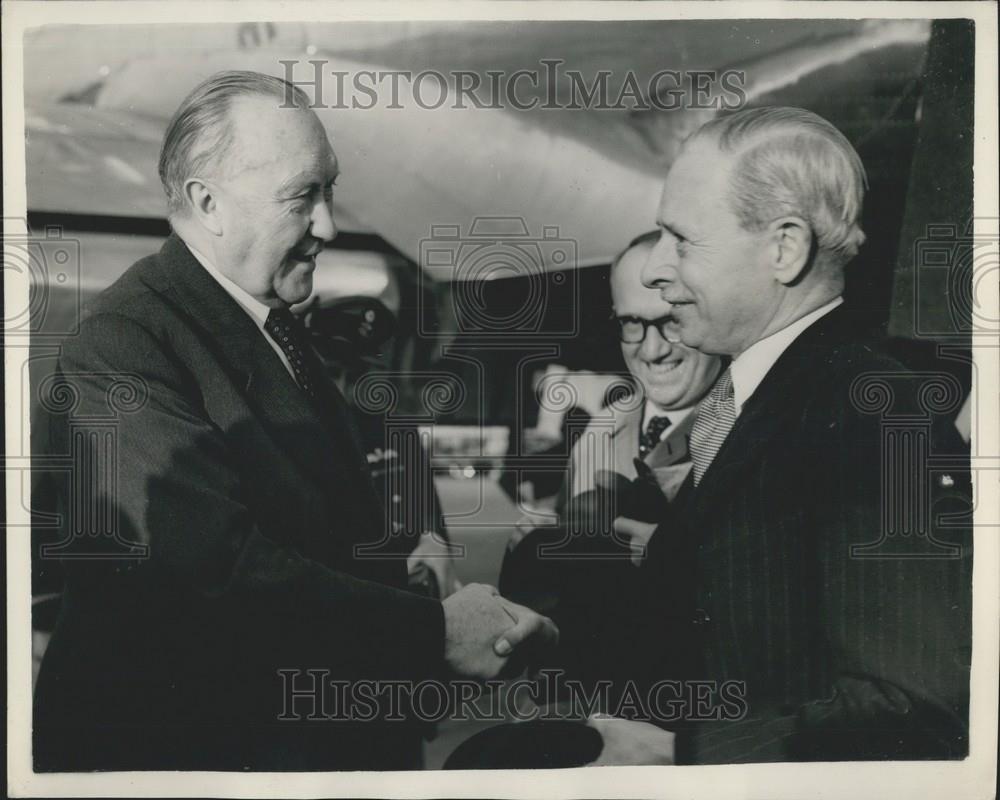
x: 751, y: 579
x: 574, y: 571
x: 249, y: 502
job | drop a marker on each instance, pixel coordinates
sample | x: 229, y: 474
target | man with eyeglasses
x: 646, y: 431
x: 672, y: 378
x: 627, y: 465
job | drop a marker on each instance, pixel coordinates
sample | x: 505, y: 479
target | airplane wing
x: 589, y: 178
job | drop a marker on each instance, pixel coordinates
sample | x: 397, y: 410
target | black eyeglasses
x: 632, y: 330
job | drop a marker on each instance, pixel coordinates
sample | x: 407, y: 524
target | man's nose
x: 659, y: 267
x: 653, y: 344
x: 323, y: 227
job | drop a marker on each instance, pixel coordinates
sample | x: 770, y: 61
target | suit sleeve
x: 893, y: 618
x: 178, y: 492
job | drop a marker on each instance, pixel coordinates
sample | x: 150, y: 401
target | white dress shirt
x: 750, y: 367
x: 257, y: 310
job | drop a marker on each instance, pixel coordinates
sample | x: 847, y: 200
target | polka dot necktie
x: 289, y: 335
x: 716, y: 417
x: 652, y: 435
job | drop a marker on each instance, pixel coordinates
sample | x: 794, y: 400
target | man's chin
x: 690, y: 337
x: 666, y: 394
x: 295, y: 292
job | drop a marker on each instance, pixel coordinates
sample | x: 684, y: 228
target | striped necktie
x: 716, y: 416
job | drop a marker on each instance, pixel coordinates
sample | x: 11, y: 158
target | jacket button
x: 700, y: 617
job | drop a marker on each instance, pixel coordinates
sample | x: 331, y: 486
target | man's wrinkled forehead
x: 267, y: 137
x: 697, y: 183
x: 626, y: 277
x: 631, y: 262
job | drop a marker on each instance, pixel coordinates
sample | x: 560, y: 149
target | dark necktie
x: 716, y: 417
x: 289, y: 335
x: 651, y: 436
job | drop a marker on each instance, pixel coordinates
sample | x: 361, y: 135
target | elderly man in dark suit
x: 784, y: 573
x: 246, y: 592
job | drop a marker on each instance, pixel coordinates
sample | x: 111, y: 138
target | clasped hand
x: 487, y: 635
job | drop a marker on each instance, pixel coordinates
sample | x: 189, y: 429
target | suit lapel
x: 626, y: 441
x: 270, y: 391
x: 774, y: 405
x: 674, y: 446
x: 668, y: 460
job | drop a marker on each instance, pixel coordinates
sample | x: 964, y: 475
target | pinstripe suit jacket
x: 773, y: 574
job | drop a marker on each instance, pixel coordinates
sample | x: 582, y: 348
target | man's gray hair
x: 200, y: 133
x: 792, y: 162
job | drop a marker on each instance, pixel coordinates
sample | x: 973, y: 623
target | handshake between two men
x: 487, y: 635
x: 253, y: 503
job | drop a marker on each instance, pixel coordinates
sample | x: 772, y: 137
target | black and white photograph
x: 501, y: 399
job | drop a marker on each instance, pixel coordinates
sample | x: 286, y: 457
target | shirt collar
x: 257, y: 310
x: 749, y: 369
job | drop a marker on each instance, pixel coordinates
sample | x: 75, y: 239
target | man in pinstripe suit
x: 776, y: 570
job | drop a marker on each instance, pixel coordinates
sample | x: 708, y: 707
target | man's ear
x: 203, y: 202
x: 792, y: 240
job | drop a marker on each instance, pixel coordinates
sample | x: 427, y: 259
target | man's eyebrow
x: 297, y: 181
x: 672, y: 229
x: 303, y: 180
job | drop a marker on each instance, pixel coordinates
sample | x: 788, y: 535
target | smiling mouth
x: 308, y: 254
x: 662, y: 367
